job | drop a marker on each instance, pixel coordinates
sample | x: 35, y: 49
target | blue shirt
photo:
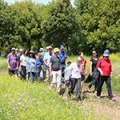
x: 31, y: 64
x: 62, y: 57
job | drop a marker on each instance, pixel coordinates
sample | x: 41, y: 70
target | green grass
x: 3, y: 64
x: 23, y: 100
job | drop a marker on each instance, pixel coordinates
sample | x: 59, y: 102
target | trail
x: 100, y: 107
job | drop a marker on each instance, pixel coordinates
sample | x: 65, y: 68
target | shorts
x: 83, y: 77
x: 12, y: 72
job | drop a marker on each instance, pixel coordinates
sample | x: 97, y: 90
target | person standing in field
x: 46, y: 60
x: 67, y: 76
x: 76, y: 75
x: 31, y: 66
x: 55, y: 70
x: 93, y: 63
x: 23, y: 58
x: 62, y: 55
x: 12, y: 63
x: 40, y: 67
x: 105, y: 68
x: 83, y: 63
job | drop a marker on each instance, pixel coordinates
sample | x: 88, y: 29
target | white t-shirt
x: 75, y: 71
x: 23, y: 60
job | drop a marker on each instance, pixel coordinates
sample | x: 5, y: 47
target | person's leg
x: 109, y: 88
x: 82, y: 81
x: 78, y: 89
x: 47, y: 75
x: 41, y: 75
x: 53, y: 83
x: 72, y: 87
x: 24, y: 72
x: 59, y: 87
x: 100, y: 84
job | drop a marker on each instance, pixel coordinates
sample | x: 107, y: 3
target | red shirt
x: 83, y: 65
x: 105, y: 66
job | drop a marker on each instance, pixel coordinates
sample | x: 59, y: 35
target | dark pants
x: 32, y: 76
x: 23, y: 72
x: 107, y: 80
x: 93, y: 82
x: 75, y: 83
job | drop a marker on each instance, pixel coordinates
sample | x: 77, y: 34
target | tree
x: 101, y: 24
x: 58, y: 22
x: 28, y: 23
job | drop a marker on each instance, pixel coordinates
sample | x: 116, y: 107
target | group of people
x: 51, y: 64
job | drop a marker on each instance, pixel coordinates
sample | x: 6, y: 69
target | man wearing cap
x: 55, y: 70
x: 46, y: 60
x: 105, y: 67
x: 12, y: 62
x: 42, y: 52
x: 75, y: 72
x: 62, y: 56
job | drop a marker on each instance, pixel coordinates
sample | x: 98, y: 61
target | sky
x: 37, y: 1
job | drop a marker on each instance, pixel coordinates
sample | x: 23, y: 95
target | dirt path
x: 100, y: 107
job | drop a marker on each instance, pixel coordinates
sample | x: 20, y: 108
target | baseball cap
x: 68, y: 61
x: 61, y: 47
x: 49, y: 47
x: 16, y: 49
x: 79, y: 59
x: 41, y: 49
x: 13, y: 49
x: 21, y: 50
x: 31, y: 51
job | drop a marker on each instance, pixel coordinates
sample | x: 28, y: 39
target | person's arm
x: 110, y: 70
x: 98, y: 67
x: 8, y: 59
x: 90, y: 68
x: 50, y: 67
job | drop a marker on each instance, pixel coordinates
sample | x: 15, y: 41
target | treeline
x: 91, y: 24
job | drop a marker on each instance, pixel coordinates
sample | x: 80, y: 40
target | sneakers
x: 98, y: 97
x: 69, y: 95
x: 89, y: 90
x: 113, y: 99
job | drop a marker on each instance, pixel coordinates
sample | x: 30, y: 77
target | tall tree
x: 101, y: 24
x: 28, y: 23
x: 59, y: 22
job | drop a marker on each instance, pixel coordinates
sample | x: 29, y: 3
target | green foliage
x: 91, y: 24
x: 27, y: 23
x: 58, y: 22
x: 24, y: 100
x: 100, y: 24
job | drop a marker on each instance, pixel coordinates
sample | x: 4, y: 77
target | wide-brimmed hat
x: 106, y: 53
x: 56, y: 50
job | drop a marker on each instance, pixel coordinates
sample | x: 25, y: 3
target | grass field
x: 23, y: 100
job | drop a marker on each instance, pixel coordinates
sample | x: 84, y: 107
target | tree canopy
x: 91, y: 24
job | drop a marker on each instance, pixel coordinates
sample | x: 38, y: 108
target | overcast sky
x: 37, y: 1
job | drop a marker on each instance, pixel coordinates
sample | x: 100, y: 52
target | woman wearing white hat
x: 105, y: 67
